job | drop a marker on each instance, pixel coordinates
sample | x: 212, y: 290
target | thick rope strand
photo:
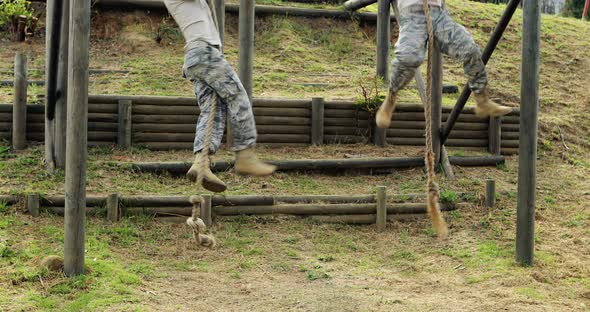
x: 433, y: 193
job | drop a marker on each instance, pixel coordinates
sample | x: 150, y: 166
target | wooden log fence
x: 168, y: 122
x: 365, y: 206
x: 179, y: 168
x: 260, y: 10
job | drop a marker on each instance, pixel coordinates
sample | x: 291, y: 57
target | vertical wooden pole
x: 436, y: 96
x: 495, y: 135
x: 246, y: 38
x: 380, y: 137
x: 317, y: 120
x: 446, y: 164
x: 19, y: 108
x: 206, y: 210
x: 383, y: 30
x: 52, y: 40
x: 33, y: 204
x: 527, y: 158
x: 20, y: 33
x: 220, y: 14
x: 490, y: 193
x: 77, y: 135
x: 124, y: 124
x: 381, y: 208
x: 61, y: 102
x: 113, y: 207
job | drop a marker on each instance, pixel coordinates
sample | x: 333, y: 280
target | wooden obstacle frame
x: 352, y: 209
x: 167, y: 122
x: 71, y: 86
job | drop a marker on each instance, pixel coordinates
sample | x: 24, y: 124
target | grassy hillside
x: 298, y: 57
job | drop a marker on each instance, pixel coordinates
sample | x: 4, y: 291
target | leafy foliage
x: 10, y: 10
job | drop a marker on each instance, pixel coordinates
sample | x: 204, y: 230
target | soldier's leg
x: 201, y: 165
x: 216, y: 72
x: 409, y: 55
x: 457, y: 42
x: 205, y: 97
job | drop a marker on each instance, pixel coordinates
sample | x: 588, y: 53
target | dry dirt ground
x: 279, y: 263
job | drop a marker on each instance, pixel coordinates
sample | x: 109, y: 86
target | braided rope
x: 194, y: 221
x: 433, y: 194
x: 198, y: 225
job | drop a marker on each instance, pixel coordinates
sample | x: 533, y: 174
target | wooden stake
x: 490, y: 193
x: 124, y: 121
x: 19, y: 111
x: 206, y: 210
x: 33, y: 204
x: 381, y: 208
x: 495, y: 135
x: 113, y: 207
x: 317, y: 120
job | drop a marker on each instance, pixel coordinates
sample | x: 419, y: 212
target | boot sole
x: 252, y: 174
x: 213, y: 187
x: 207, y: 184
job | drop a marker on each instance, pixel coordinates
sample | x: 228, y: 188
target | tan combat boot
x: 486, y: 107
x: 385, y: 112
x: 248, y: 164
x: 210, y: 181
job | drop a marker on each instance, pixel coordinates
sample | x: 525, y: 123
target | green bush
x: 10, y: 10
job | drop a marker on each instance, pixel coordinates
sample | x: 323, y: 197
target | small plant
x: 370, y: 98
x: 448, y: 197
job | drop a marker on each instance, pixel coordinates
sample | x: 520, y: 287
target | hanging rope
x: 433, y: 195
x: 194, y: 221
x: 198, y: 225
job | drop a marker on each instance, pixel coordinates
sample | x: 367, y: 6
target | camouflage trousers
x: 454, y: 40
x: 212, y: 75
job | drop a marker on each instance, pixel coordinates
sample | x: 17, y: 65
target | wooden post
x: 52, y: 41
x: 246, y: 38
x: 124, y: 124
x: 380, y: 137
x: 446, y: 164
x: 19, y: 108
x: 206, y: 210
x: 527, y: 154
x: 317, y: 120
x: 33, y: 204
x: 220, y: 16
x: 383, y: 29
x: 113, y: 207
x: 61, y: 102
x: 495, y: 135
x: 381, y: 208
x: 22, y: 24
x: 436, y: 97
x: 77, y: 131
x: 490, y: 193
